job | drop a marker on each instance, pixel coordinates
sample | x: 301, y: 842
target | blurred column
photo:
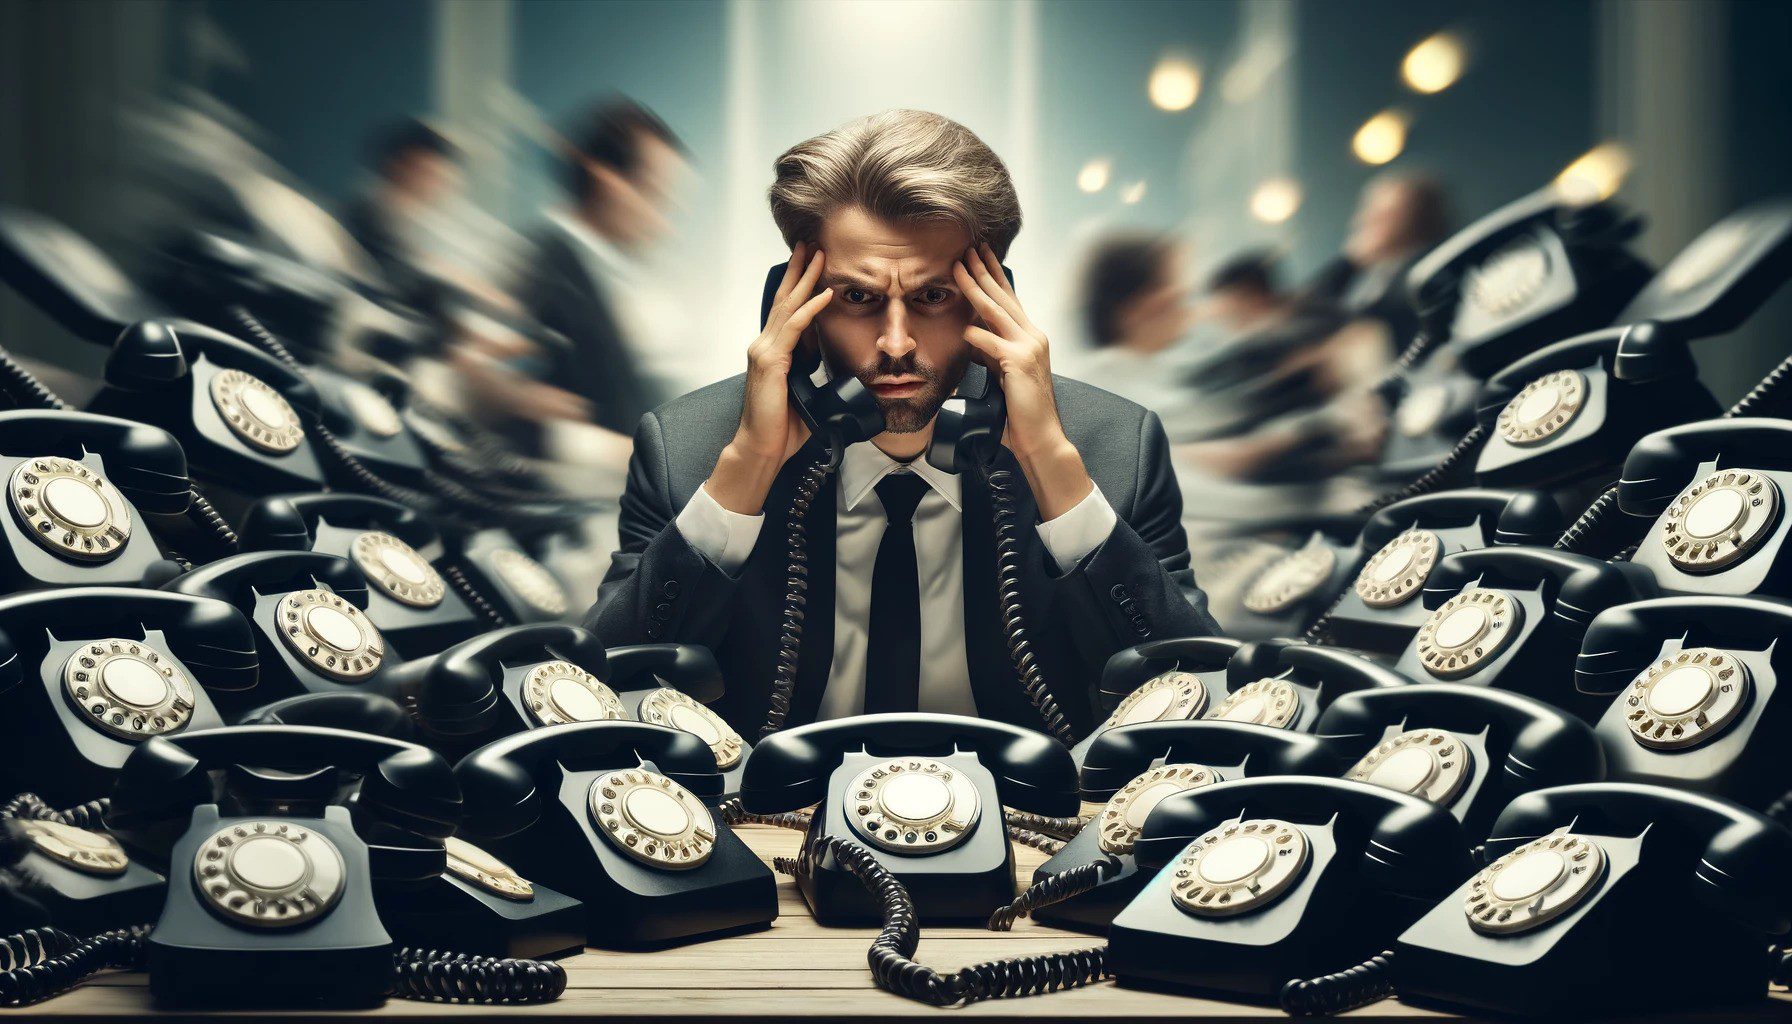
x: 472, y: 75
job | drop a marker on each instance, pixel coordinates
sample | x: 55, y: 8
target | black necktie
x: 893, y: 656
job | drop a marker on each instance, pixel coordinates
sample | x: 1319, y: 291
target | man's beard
x: 914, y: 413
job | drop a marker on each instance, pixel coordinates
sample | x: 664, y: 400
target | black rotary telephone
x: 1132, y: 769
x: 409, y: 598
x: 1260, y: 881
x: 548, y: 674
x: 1157, y: 670
x: 308, y: 614
x: 1536, y: 270
x: 273, y: 894
x: 87, y: 675
x: 1564, y: 411
x: 1467, y: 749
x: 623, y: 816
x: 66, y: 864
x: 1513, y: 617
x: 78, y: 487
x: 1588, y: 889
x: 1691, y: 686
x: 516, y: 586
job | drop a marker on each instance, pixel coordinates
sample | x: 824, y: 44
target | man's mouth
x: 898, y: 387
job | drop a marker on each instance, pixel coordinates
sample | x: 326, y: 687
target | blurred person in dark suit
x: 1137, y: 309
x: 1399, y: 218
x: 417, y: 171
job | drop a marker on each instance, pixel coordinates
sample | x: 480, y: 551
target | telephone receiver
x: 623, y: 816
x: 367, y: 713
x: 1677, y: 887
x: 1715, y: 490
x: 78, y: 486
x: 1262, y: 880
x: 1130, y: 669
x: 1466, y: 749
x: 308, y: 616
x: 1513, y: 618
x: 1689, y: 687
x: 1565, y: 408
x: 87, y: 675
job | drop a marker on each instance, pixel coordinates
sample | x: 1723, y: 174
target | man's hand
x: 1019, y: 353
x: 770, y: 430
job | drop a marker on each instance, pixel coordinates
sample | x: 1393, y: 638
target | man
x: 417, y: 171
x: 1399, y: 217
x: 897, y: 223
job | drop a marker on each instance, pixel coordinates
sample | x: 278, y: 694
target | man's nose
x: 895, y: 342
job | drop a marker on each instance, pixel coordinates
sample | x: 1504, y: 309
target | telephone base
x: 656, y: 909
x: 209, y: 976
x: 452, y: 914
x: 1095, y: 910
x: 838, y: 899
x: 84, y: 904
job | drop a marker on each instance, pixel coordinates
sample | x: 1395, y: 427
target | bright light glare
x: 1132, y: 193
x: 1597, y: 175
x: 1435, y: 64
x: 1174, y: 84
x: 1275, y: 200
x: 1381, y: 138
x: 1094, y: 176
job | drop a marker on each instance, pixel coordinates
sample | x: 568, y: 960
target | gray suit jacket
x: 1138, y: 585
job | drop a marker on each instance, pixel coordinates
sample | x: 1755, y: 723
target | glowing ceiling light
x: 1435, y: 64
x: 1381, y: 138
x: 1174, y: 84
x: 1132, y: 193
x: 1275, y: 200
x: 1094, y: 175
x: 1596, y: 175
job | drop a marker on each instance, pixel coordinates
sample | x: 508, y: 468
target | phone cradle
x: 481, y: 905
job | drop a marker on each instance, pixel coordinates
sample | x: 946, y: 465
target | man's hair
x: 1252, y: 271
x: 399, y: 139
x: 1428, y: 206
x: 900, y: 165
x: 1119, y: 270
x: 610, y: 134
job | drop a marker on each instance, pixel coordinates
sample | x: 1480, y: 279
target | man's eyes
x: 924, y: 297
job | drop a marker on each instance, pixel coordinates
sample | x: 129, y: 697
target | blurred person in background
x: 417, y: 172
x: 1137, y: 310
x: 1399, y: 217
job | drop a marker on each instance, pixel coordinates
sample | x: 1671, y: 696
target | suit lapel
x: 986, y: 646
x: 816, y: 656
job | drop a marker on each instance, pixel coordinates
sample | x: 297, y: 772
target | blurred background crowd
x: 1222, y: 199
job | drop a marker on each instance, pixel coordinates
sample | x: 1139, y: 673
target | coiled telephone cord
x: 457, y: 578
x: 1328, y: 994
x: 90, y: 815
x: 439, y: 976
x: 40, y: 963
x: 1445, y: 472
x: 1014, y: 623
x: 1052, y: 889
x: 23, y: 387
x: 733, y: 812
x: 796, y: 592
x: 1057, y: 828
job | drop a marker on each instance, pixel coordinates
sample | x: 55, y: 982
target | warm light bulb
x: 1094, y: 175
x: 1597, y: 175
x: 1275, y: 200
x: 1381, y: 138
x: 1435, y: 64
x: 1132, y: 193
x: 1174, y: 84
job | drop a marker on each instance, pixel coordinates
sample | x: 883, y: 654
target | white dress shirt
x: 726, y: 538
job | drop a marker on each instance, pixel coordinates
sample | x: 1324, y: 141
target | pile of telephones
x: 292, y: 692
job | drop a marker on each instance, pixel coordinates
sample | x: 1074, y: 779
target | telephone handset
x: 86, y: 675
x: 1259, y: 881
x: 1161, y: 680
x: 1716, y: 492
x: 1565, y: 410
x: 1131, y: 770
x: 78, y: 488
x: 1588, y: 889
x: 409, y: 598
x: 842, y: 411
x: 308, y: 616
x: 1380, y: 610
x: 621, y: 815
x: 1467, y: 749
x: 1513, y: 618
x: 924, y: 795
x: 1691, y: 692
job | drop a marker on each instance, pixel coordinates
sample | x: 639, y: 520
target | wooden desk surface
x: 793, y: 969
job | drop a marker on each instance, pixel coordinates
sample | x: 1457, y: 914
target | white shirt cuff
x: 725, y: 538
x: 1070, y: 537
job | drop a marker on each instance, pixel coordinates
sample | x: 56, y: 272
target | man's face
x: 897, y: 319
x: 1381, y: 224
x: 426, y: 179
x: 639, y: 202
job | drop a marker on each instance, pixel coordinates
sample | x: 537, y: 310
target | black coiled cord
x: 1437, y: 476
x: 23, y: 387
x: 733, y: 812
x: 203, y: 514
x: 90, y: 815
x: 1764, y: 399
x: 437, y: 976
x: 1052, y: 889
x: 796, y: 592
x: 1057, y: 828
x: 40, y: 963
x: 457, y: 578
x: 1037, y: 840
x: 1014, y: 623
x: 1329, y: 994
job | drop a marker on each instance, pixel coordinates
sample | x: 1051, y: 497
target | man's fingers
x: 988, y: 271
x: 985, y: 341
x: 799, y: 320
x: 799, y: 256
x: 799, y: 293
x: 986, y: 307
x: 995, y: 267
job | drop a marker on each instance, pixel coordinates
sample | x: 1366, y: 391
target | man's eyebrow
x: 838, y: 280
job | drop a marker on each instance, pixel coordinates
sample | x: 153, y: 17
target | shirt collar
x: 864, y: 464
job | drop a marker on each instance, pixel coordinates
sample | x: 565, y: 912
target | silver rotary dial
x: 257, y: 413
x: 268, y: 874
x: 128, y: 689
x: 1508, y: 279
x: 330, y: 635
x: 1428, y: 763
x: 1720, y: 520
x: 475, y: 866
x: 1687, y: 699
x: 1543, y: 408
x: 652, y: 819
x: 1291, y: 579
x: 69, y: 509
x: 398, y: 570
x: 1123, y: 817
x: 1468, y: 631
x: 1534, y: 884
x: 677, y: 710
x: 531, y: 581
x: 1169, y: 696
x: 1271, y: 702
x: 91, y: 853
x: 1394, y: 574
x: 372, y: 410
x: 912, y: 805
x: 1239, y: 867
x: 559, y: 692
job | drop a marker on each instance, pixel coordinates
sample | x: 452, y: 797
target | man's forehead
x: 860, y: 245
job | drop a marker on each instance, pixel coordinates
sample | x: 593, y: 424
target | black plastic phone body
x: 1128, y: 669
x: 521, y: 588
x: 81, y: 897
